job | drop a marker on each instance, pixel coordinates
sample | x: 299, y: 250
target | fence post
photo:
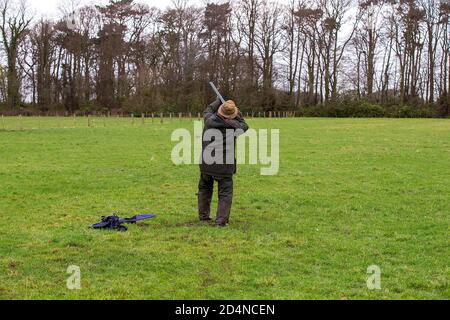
x: 132, y: 119
x: 153, y: 117
x: 143, y: 119
x: 162, y: 118
x: 58, y: 123
x: 3, y: 122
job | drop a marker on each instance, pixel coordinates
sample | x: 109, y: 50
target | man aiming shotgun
x: 222, y: 120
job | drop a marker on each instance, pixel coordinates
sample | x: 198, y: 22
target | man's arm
x: 213, y: 120
x: 239, y: 123
x: 212, y: 109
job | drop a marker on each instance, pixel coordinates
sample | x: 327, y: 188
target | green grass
x: 350, y: 194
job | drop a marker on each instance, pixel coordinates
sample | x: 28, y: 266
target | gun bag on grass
x: 116, y: 223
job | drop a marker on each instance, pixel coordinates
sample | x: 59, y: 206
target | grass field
x: 350, y: 193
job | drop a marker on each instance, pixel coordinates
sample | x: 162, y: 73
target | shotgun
x: 217, y: 92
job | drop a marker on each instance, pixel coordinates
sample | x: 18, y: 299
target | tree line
x: 316, y: 57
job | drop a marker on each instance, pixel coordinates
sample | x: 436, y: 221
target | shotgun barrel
x: 217, y: 92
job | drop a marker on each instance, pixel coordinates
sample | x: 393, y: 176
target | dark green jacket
x: 229, y: 130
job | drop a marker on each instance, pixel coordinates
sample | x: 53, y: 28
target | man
x: 223, y: 123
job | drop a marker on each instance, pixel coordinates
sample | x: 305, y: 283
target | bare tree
x: 268, y: 41
x: 13, y: 26
x: 248, y: 18
x: 126, y: 57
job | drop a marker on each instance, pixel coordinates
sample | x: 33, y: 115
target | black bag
x: 116, y: 223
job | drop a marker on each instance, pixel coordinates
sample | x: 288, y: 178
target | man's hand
x: 237, y: 123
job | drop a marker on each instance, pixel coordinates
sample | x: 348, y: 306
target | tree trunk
x: 13, y: 84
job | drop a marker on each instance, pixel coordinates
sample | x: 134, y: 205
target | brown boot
x: 224, y: 210
x: 204, y: 206
x: 205, y: 193
x: 225, y: 201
